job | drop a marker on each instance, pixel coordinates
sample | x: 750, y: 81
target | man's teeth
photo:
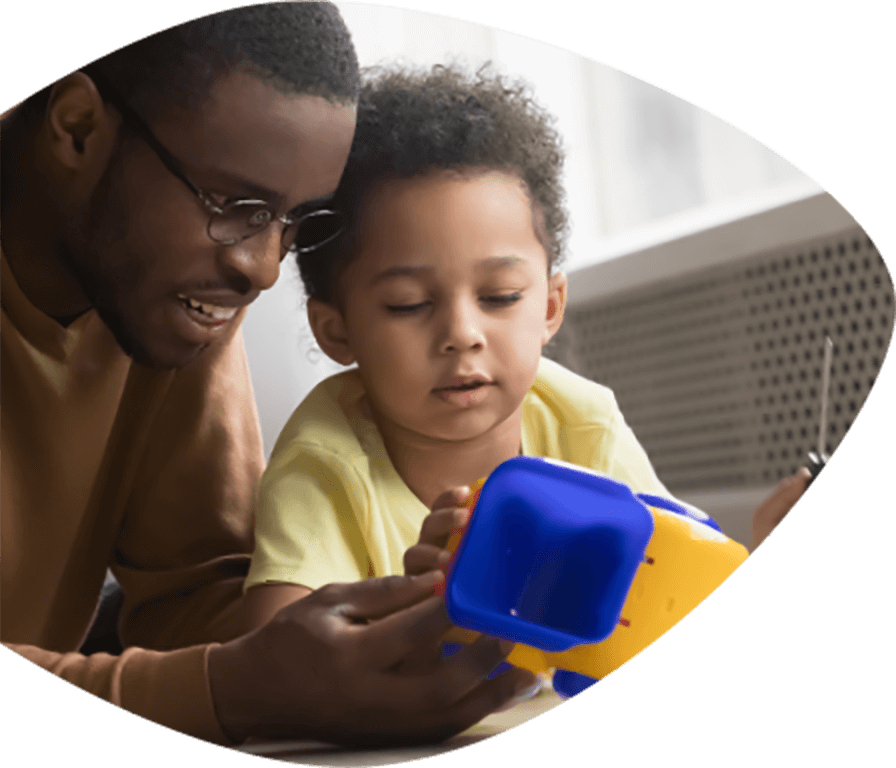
x: 210, y: 310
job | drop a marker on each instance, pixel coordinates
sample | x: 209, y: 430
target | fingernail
x: 444, y: 556
x: 526, y: 689
x: 523, y: 692
x: 430, y: 578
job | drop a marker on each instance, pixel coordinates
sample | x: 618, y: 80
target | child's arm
x: 429, y: 553
x: 264, y: 601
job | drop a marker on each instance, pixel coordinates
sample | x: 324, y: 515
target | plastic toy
x: 578, y: 570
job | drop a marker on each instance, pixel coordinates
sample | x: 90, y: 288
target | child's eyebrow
x: 400, y: 271
x: 501, y: 262
x: 488, y: 264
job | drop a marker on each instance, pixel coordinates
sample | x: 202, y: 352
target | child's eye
x: 406, y: 309
x: 502, y: 299
x: 496, y: 300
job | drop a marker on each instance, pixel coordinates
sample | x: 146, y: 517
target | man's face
x: 141, y: 250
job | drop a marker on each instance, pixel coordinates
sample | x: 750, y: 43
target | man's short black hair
x: 413, y: 122
x: 299, y: 47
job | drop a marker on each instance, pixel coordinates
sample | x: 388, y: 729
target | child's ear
x: 556, y: 306
x: 328, y: 327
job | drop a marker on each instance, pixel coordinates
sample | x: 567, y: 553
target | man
x: 147, y: 200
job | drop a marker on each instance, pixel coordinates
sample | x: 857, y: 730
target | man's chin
x: 143, y: 353
x: 166, y: 361
x: 160, y: 359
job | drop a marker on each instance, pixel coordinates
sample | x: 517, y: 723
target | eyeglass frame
x: 108, y: 92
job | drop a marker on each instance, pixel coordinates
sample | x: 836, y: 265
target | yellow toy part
x: 684, y: 562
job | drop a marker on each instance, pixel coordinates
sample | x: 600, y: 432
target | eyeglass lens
x: 243, y: 219
x: 316, y: 229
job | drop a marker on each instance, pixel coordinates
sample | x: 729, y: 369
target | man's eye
x: 502, y: 299
x: 238, y: 201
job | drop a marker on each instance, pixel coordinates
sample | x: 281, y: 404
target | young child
x: 443, y: 290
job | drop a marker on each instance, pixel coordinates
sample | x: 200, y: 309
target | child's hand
x: 429, y: 553
x: 775, y: 507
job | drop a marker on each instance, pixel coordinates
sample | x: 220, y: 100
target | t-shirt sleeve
x: 578, y: 420
x: 309, y: 513
x: 628, y: 461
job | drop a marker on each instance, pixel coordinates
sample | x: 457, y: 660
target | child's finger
x: 422, y: 558
x: 453, y: 497
x: 439, y: 525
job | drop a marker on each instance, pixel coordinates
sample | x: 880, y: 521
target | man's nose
x: 256, y: 260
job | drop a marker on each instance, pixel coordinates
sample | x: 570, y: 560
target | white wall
x: 284, y: 360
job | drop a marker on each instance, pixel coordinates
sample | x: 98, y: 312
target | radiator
x: 718, y: 367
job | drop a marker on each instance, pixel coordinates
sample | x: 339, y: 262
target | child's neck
x: 430, y: 467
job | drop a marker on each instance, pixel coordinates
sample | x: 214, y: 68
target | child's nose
x: 463, y: 331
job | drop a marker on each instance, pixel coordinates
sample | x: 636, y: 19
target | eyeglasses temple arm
x: 110, y: 94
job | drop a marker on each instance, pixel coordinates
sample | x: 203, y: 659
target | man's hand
x: 333, y: 667
x: 448, y: 516
x: 775, y: 507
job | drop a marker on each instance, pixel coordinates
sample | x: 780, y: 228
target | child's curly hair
x: 413, y: 122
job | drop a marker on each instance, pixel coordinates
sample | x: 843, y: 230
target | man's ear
x: 329, y: 329
x: 80, y: 131
x: 556, y: 306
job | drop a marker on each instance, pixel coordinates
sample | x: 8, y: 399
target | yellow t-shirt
x: 331, y: 507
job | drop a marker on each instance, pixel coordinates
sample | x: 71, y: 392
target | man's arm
x: 353, y: 664
x: 169, y: 688
x: 264, y: 601
x: 359, y: 664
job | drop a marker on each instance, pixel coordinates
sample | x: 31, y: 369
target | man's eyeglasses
x: 237, y: 220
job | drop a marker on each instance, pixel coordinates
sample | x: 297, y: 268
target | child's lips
x: 464, y: 391
x: 464, y: 383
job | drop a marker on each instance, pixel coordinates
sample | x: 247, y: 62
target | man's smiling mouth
x: 209, y: 313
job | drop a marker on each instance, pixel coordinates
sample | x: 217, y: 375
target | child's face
x: 448, y: 303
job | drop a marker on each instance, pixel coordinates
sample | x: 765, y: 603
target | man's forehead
x: 247, y: 132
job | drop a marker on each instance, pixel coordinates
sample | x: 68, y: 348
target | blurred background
x: 705, y: 272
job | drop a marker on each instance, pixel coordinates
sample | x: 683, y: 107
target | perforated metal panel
x: 719, y: 371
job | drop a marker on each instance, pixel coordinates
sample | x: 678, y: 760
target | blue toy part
x: 549, y: 575
x: 681, y: 509
x: 568, y: 684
